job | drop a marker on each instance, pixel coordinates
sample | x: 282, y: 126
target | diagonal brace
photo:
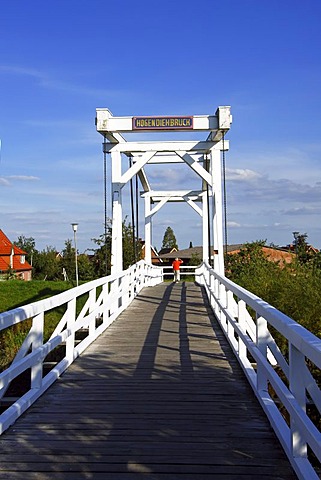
x: 197, y: 167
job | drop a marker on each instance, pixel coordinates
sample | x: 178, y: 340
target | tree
x: 169, y: 239
x: 251, y: 269
x: 301, y: 247
x: 46, y: 265
x: 102, y: 254
x: 68, y: 261
x: 86, y: 270
x: 129, y: 254
x: 27, y: 244
x: 195, y: 259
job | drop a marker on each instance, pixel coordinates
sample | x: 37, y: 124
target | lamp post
x: 75, y: 227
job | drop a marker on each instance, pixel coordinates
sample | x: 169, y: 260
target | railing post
x: 230, y: 308
x: 223, y: 302
x: 107, y: 303
x: 261, y: 341
x: 92, y: 302
x: 296, y: 383
x: 242, y: 322
x: 125, y: 288
x: 70, y: 341
x: 37, y: 370
x: 216, y: 291
x: 114, y: 288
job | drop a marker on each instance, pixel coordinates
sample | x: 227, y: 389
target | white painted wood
x: 303, y: 345
x: 297, y: 387
x: 37, y: 342
x: 117, y: 216
x: 205, y: 232
x: 168, y: 147
x: 196, y: 166
x: 107, y: 123
x: 190, y: 152
x: 262, y: 336
x: 107, y: 305
x: 217, y: 221
x: 136, y: 167
x: 148, y: 230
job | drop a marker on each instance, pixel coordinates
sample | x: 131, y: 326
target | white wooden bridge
x: 159, y: 380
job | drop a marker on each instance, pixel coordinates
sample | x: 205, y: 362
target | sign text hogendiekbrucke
x: 162, y: 123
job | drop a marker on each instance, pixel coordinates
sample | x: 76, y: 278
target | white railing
x: 101, y: 302
x: 185, y: 271
x: 277, y: 379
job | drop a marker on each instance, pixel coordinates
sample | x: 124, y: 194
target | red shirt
x: 176, y: 264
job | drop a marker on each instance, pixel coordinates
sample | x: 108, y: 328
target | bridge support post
x: 117, y: 234
x: 217, y: 211
x: 148, y: 239
x: 205, y: 227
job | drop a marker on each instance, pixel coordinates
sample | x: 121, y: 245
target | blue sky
x: 62, y: 59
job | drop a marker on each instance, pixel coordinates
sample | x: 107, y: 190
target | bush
x: 293, y: 289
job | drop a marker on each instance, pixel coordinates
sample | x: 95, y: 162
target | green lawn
x: 16, y: 293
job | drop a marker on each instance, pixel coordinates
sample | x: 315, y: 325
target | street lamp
x: 75, y: 227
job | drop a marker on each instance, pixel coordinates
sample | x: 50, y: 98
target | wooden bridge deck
x: 158, y: 396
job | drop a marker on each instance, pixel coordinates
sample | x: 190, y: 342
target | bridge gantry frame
x: 202, y: 157
x: 285, y: 383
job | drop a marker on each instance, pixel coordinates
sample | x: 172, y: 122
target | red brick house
x: 156, y: 260
x: 13, y: 259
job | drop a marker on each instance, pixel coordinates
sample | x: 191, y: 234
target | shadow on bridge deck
x: 158, y: 396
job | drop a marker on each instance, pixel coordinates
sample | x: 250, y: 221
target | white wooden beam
x: 136, y: 167
x: 175, y: 146
x: 106, y: 122
x: 174, y: 195
x: 192, y: 204
x: 143, y: 180
x: 196, y: 166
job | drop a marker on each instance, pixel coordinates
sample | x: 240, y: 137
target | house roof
x: 193, y: 251
x: 5, y: 244
x: 272, y: 253
x: 164, y: 251
x: 7, y: 248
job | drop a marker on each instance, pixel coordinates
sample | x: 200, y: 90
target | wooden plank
x: 159, y: 395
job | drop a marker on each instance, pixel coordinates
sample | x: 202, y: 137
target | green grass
x: 16, y: 293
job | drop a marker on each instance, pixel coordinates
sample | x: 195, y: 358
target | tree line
x: 49, y: 264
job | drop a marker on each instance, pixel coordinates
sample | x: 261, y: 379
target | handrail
x: 262, y: 361
x: 185, y: 270
x: 105, y: 299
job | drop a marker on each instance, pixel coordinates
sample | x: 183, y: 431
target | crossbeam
x: 174, y: 195
x: 107, y: 124
x: 174, y: 146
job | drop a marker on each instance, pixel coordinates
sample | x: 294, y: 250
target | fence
x: 283, y: 382
x: 185, y: 271
x: 87, y: 310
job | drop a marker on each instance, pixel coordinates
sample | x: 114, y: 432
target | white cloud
x: 4, y: 181
x: 309, y: 210
x: 233, y: 224
x: 242, y: 175
x: 46, y: 81
x: 17, y: 70
x: 23, y: 178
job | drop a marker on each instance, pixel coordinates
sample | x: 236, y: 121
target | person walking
x: 176, y: 268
